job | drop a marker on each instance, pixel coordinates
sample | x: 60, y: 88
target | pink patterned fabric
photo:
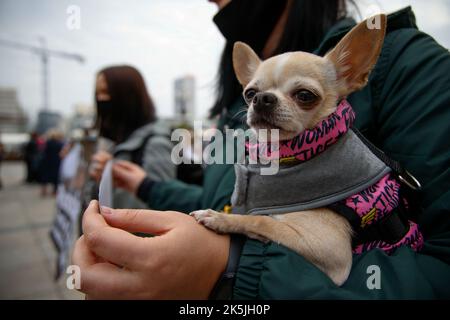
x: 413, y: 238
x: 375, y: 202
x: 311, y: 141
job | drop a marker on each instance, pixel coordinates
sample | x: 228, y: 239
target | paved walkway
x: 27, y: 255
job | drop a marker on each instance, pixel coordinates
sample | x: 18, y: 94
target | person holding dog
x: 403, y: 110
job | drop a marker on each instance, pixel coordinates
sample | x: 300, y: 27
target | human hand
x: 183, y: 261
x: 128, y: 175
x: 98, y: 163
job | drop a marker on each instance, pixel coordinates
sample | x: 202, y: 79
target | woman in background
x: 126, y: 116
x: 50, y: 161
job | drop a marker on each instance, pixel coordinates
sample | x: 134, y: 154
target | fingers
x: 95, y: 174
x: 114, y: 245
x: 92, y: 219
x: 101, y: 156
x: 106, y: 281
x: 118, y: 246
x: 101, y: 279
x: 98, y: 279
x: 81, y: 255
x: 96, y: 170
x: 120, y: 173
x: 128, y: 176
x: 125, y: 164
x: 100, y: 159
x: 147, y: 221
x: 122, y: 178
x: 98, y: 163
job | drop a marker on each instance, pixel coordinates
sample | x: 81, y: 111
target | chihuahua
x: 293, y: 92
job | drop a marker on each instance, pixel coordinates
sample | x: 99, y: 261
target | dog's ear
x: 356, y: 54
x: 245, y: 62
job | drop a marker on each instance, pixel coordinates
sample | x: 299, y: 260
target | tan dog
x: 301, y: 89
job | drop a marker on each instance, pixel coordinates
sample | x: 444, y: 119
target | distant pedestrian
x: 2, y: 151
x: 50, y: 162
x: 32, y: 153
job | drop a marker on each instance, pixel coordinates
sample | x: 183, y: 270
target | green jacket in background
x: 405, y: 111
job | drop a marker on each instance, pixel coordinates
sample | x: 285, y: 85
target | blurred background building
x: 47, y: 120
x: 13, y: 119
x: 82, y: 118
x: 13, y: 124
x: 184, y: 90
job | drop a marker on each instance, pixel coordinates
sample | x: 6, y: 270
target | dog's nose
x: 264, y: 102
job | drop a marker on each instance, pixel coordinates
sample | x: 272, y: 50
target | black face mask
x: 104, y: 109
x: 104, y: 106
x: 250, y: 21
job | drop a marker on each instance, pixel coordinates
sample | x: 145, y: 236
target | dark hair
x: 131, y: 105
x: 306, y: 25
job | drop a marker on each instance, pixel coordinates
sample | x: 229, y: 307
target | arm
x: 414, y: 123
x: 413, y: 100
x: 158, y: 195
x: 164, y: 192
x: 155, y: 182
x: 174, y: 195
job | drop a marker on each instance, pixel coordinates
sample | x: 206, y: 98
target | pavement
x: 27, y: 255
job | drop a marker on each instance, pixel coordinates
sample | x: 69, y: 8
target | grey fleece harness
x: 345, y: 168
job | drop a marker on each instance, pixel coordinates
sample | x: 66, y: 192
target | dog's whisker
x: 242, y: 113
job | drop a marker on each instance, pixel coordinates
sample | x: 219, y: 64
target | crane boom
x: 44, y: 53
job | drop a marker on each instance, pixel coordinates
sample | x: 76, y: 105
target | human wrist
x: 144, y: 188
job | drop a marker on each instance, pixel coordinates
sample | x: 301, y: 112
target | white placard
x: 68, y: 205
x: 105, y: 191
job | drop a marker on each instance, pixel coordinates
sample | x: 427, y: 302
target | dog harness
x: 332, y: 165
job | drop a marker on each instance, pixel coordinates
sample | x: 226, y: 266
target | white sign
x: 105, y: 192
x: 68, y: 205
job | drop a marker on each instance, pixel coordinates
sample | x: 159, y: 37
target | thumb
x: 146, y: 221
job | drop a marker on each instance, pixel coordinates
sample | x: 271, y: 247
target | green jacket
x: 405, y: 111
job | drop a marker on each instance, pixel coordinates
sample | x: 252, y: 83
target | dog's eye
x: 249, y: 94
x: 305, y: 96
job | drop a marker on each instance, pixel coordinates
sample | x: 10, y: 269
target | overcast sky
x: 164, y: 39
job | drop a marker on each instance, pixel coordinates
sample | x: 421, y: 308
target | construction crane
x: 44, y: 53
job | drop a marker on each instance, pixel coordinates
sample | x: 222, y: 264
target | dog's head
x: 294, y: 91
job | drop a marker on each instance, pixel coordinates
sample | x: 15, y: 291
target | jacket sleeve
x: 218, y: 185
x: 175, y: 195
x: 156, y: 159
x: 412, y: 101
x: 167, y: 193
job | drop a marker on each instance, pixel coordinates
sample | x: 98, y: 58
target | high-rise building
x: 184, y: 88
x: 48, y: 120
x: 12, y: 117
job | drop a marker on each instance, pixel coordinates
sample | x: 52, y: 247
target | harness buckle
x: 407, y: 178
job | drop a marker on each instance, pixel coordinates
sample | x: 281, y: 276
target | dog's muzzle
x: 264, y: 103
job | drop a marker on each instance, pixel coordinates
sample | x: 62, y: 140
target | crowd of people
x: 403, y: 110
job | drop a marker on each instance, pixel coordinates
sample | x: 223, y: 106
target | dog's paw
x: 211, y: 219
x: 200, y: 215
